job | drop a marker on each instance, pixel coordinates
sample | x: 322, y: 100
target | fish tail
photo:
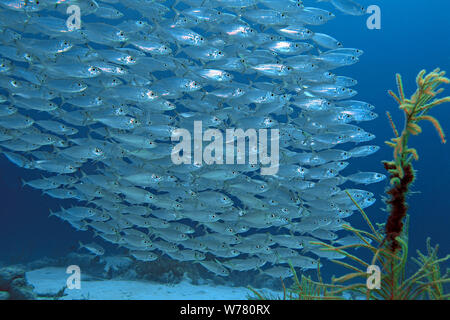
x: 24, y: 183
x: 177, y: 12
x: 83, y: 174
x: 205, y: 93
x: 108, y: 136
x: 151, y: 233
x: 86, y: 224
x: 260, y: 271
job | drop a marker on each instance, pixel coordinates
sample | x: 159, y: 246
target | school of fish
x: 93, y: 108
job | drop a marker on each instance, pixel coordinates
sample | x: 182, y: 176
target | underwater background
x: 414, y: 35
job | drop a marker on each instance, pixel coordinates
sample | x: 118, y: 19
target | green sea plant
x: 388, y: 242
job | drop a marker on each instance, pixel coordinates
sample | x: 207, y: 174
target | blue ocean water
x: 414, y: 35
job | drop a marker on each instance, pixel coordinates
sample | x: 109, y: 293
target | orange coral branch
x: 414, y: 128
x: 392, y: 124
x: 435, y: 103
x: 400, y: 87
x: 436, y: 124
x: 394, y: 96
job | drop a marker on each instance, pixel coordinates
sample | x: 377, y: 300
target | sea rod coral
x: 401, y: 170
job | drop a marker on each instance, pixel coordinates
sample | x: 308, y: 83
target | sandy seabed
x: 48, y: 281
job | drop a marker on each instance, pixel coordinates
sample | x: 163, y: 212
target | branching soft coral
x: 401, y: 170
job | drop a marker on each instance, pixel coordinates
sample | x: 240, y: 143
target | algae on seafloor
x: 389, y: 244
